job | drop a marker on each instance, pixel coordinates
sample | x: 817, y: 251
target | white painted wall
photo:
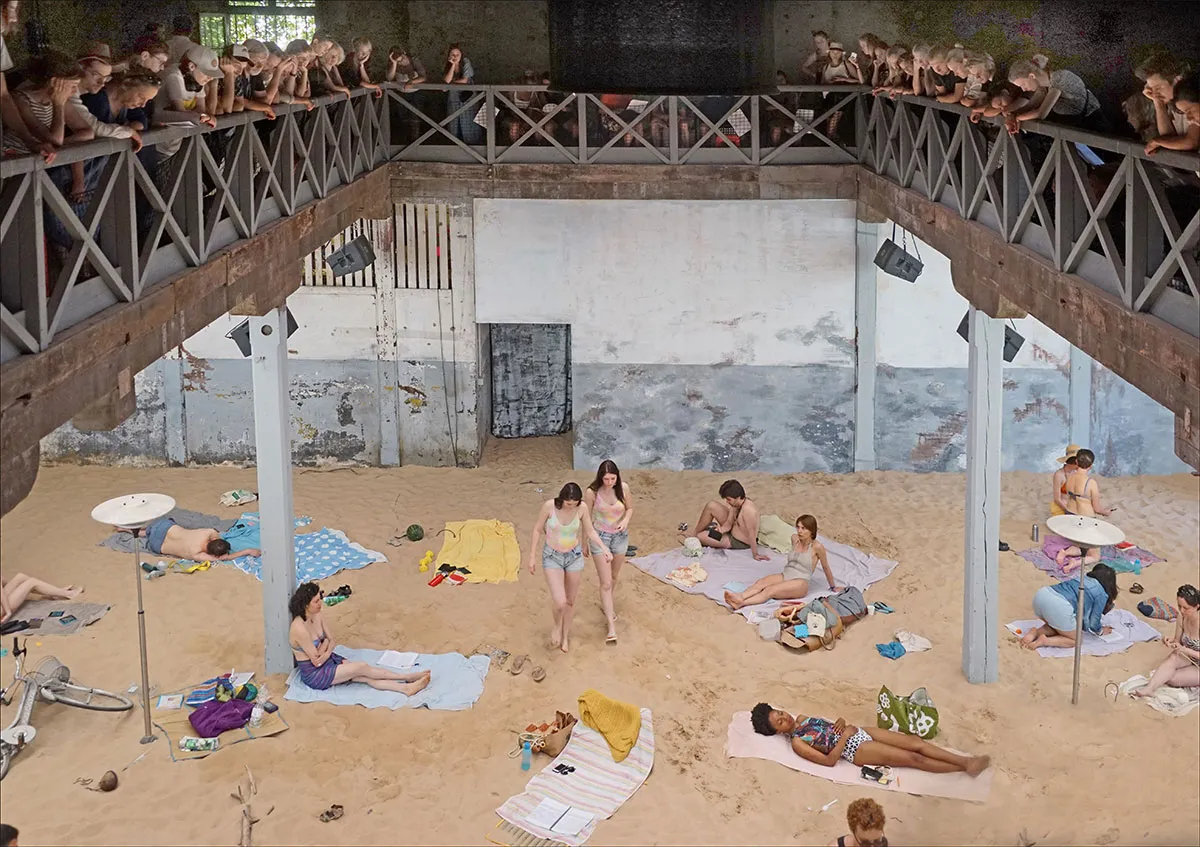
x: 673, y: 282
x: 918, y: 322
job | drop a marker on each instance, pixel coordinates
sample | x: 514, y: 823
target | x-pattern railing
x: 65, y: 259
x: 1036, y: 189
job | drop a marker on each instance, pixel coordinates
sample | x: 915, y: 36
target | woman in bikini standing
x: 1181, y: 668
x: 320, y: 667
x: 1082, y: 498
x: 563, y: 521
x: 611, y: 506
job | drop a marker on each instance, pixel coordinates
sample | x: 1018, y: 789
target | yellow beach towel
x: 487, y: 548
x: 774, y: 532
x: 619, y: 723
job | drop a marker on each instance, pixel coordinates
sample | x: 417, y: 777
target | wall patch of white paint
x: 674, y: 282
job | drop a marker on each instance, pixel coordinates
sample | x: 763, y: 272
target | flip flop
x: 518, y: 665
x: 611, y: 639
x: 538, y: 674
x: 1136, y: 588
x: 332, y: 813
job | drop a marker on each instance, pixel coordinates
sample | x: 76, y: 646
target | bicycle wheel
x: 6, y: 754
x: 95, y: 699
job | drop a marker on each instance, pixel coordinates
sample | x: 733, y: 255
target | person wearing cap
x: 236, y: 88
x: 182, y: 98
x: 1058, y: 483
x: 837, y: 69
x: 181, y: 41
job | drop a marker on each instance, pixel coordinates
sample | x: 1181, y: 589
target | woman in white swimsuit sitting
x: 792, y: 584
x: 564, y: 521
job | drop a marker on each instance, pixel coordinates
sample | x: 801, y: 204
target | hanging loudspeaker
x: 1012, y: 339
x: 354, y: 257
x: 240, y: 334
x: 895, y: 260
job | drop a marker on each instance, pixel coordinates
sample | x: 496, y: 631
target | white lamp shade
x: 1089, y: 532
x: 133, y: 511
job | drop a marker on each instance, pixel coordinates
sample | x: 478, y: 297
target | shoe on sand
x: 538, y: 674
x: 332, y: 813
x: 518, y: 665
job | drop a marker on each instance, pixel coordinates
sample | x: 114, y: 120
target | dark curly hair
x: 760, y: 719
x: 298, y: 605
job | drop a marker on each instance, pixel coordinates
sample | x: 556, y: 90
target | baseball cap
x: 836, y: 45
x: 204, y: 59
x: 239, y: 51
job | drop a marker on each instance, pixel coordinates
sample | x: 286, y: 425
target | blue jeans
x: 616, y: 542
x: 156, y: 534
x: 570, y: 561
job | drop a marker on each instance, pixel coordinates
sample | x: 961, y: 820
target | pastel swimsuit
x: 799, y: 565
x: 607, y: 517
x: 562, y: 550
x: 819, y: 734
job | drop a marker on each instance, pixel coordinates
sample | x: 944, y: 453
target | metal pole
x: 1078, y: 629
x: 137, y: 574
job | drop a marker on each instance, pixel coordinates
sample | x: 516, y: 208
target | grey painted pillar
x: 865, y: 344
x: 981, y: 584
x: 1080, y: 401
x: 174, y: 409
x: 273, y: 446
x: 387, y: 343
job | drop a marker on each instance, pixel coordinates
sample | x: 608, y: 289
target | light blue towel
x: 246, y: 533
x: 319, y: 555
x: 735, y: 587
x: 456, y: 684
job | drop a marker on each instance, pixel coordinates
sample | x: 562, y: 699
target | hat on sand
x: 1072, y: 449
x: 205, y: 60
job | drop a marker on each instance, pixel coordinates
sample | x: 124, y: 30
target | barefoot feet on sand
x: 734, y: 601
x: 978, y: 765
x: 72, y: 591
x: 555, y: 637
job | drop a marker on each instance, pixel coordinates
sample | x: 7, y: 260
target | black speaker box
x: 1012, y: 339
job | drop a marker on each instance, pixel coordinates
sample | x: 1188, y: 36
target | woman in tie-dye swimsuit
x: 612, y: 508
x: 563, y: 521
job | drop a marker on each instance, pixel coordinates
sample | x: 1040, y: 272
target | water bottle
x: 526, y: 756
x: 256, y: 714
x: 1037, y: 531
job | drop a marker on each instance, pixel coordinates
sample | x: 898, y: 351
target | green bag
x: 912, y: 715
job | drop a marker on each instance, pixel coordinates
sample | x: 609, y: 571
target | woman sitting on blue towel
x: 320, y: 667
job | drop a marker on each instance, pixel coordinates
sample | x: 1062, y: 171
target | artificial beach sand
x: 1093, y: 774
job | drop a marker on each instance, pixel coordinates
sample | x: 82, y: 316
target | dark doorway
x: 531, y: 379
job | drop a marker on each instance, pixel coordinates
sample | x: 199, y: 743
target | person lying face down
x: 164, y: 537
x: 824, y: 742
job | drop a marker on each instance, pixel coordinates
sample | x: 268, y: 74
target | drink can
x: 1037, y: 531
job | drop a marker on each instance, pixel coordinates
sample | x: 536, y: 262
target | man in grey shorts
x: 730, y: 523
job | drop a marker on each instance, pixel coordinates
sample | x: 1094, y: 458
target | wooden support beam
x: 111, y: 410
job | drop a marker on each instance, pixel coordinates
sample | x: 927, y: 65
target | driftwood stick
x: 247, y: 826
x: 253, y: 785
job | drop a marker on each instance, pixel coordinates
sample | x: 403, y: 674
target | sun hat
x: 836, y: 45
x: 204, y: 59
x: 1072, y: 449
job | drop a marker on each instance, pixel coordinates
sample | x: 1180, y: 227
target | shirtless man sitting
x: 730, y: 523
x: 164, y: 537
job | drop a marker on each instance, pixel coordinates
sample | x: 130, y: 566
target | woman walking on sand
x: 563, y: 521
x: 611, y: 506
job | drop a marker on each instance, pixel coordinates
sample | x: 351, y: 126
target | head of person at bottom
x: 731, y: 492
x: 1085, y: 458
x: 770, y: 721
x: 806, y: 527
x: 306, y: 601
x: 1189, y: 599
x: 569, y: 496
x: 866, y: 821
x: 218, y: 547
x: 8, y: 835
x: 1107, y: 578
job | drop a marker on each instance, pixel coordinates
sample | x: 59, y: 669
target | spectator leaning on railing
x: 1162, y: 76
x: 355, y: 68
x: 1054, y: 95
x: 18, y: 139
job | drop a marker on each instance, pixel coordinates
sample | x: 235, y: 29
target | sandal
x: 1136, y: 588
x: 332, y: 813
x: 518, y: 665
x: 538, y: 674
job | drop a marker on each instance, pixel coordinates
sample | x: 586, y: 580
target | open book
x: 398, y: 661
x: 559, y: 817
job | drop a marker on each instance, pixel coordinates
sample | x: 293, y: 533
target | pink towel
x: 743, y: 742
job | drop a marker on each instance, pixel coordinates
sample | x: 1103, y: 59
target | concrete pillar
x: 386, y: 342
x: 273, y: 446
x: 981, y: 584
x: 174, y: 409
x: 865, y: 344
x: 1080, y: 400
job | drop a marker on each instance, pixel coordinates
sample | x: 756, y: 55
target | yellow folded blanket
x: 619, y: 723
x: 487, y: 548
x: 774, y: 532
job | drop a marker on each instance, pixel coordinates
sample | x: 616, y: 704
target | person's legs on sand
x: 604, y: 572
x: 1175, y: 671
x: 742, y: 598
x: 919, y: 745
x: 571, y: 582
x: 558, y: 600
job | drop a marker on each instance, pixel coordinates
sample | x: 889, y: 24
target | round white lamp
x: 1086, y: 534
x: 134, y: 512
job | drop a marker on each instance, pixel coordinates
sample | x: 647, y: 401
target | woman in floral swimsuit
x: 824, y: 742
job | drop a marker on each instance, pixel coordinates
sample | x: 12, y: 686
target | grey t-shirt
x: 409, y: 69
x: 1074, y: 99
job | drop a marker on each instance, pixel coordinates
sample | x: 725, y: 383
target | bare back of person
x: 190, y: 544
x: 1080, y: 487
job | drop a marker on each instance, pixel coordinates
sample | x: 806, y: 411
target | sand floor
x: 1098, y: 773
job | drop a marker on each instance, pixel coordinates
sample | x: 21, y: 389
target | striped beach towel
x: 598, y: 785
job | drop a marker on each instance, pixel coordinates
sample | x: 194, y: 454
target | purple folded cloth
x: 215, y: 717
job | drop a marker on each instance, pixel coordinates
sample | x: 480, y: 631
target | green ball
x: 415, y: 532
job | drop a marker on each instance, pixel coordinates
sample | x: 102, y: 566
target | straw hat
x: 1072, y: 449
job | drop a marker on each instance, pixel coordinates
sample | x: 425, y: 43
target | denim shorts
x: 1056, y: 610
x: 616, y: 542
x: 571, y: 561
x: 156, y: 534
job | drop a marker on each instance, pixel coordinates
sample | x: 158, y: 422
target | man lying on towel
x: 164, y: 537
x: 730, y: 523
x: 823, y: 742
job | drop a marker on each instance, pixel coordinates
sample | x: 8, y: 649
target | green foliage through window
x: 217, y: 30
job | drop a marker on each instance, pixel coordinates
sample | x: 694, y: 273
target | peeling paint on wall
x: 195, y: 371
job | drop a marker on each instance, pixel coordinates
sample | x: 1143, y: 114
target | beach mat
x: 1176, y: 702
x: 85, y: 614
x: 319, y: 555
x: 122, y: 542
x: 742, y: 742
x: 1131, y: 629
x: 174, y: 724
x: 849, y: 566
x: 487, y: 548
x: 1129, y: 560
x: 598, y: 785
x: 456, y: 684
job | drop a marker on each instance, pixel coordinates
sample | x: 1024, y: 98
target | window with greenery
x: 280, y: 21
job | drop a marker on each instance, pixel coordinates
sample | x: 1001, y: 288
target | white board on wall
x: 674, y: 282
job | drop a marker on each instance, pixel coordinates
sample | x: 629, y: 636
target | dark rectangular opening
x: 531, y: 379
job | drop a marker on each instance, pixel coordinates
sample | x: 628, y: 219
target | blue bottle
x: 526, y: 756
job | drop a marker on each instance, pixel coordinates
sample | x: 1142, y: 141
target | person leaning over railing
x: 265, y: 71
x: 294, y: 85
x: 10, y: 115
x: 458, y: 70
x: 1162, y: 76
x: 327, y: 78
x: 948, y: 87
x: 355, y: 71
x: 236, y: 89
x: 1060, y: 96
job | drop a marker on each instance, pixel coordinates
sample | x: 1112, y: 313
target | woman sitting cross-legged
x: 320, y: 667
x: 823, y: 742
x: 792, y: 584
x: 1181, y: 668
x: 1056, y: 605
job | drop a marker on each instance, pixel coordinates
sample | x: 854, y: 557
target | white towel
x: 1122, y: 622
x: 1171, y: 701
